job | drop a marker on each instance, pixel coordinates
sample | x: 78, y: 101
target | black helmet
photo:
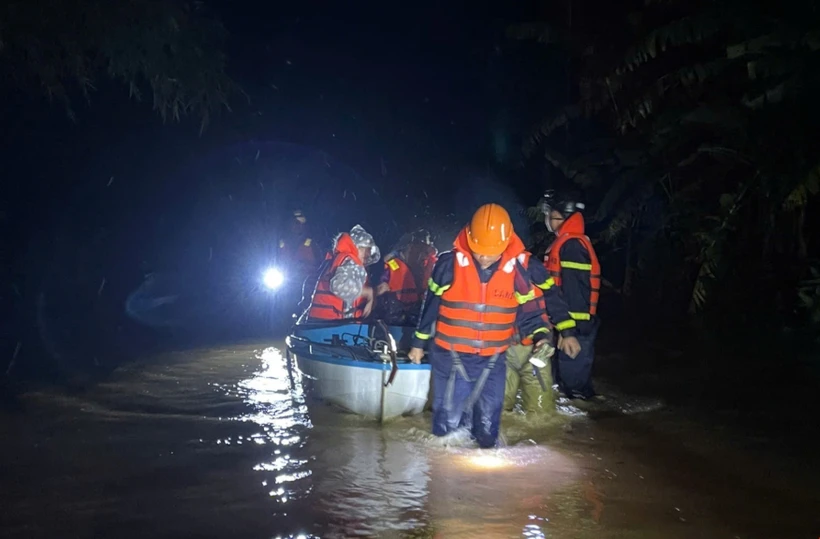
x: 422, y: 236
x: 565, y: 205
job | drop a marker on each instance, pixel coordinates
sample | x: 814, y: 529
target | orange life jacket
x: 402, y: 283
x: 475, y: 317
x: 524, y: 258
x: 325, y: 304
x: 573, y: 229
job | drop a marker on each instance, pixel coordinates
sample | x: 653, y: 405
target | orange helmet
x: 490, y: 230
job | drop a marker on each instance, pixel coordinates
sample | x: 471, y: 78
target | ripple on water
x: 175, y: 449
x: 362, y: 479
x: 279, y: 412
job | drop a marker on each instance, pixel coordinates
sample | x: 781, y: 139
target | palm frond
x: 562, y: 118
x: 685, y: 31
x: 803, y: 191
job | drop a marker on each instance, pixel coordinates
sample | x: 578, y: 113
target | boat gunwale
x: 403, y: 362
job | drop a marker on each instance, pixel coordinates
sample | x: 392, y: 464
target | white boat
x: 358, y: 367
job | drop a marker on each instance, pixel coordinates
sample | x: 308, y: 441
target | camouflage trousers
x: 521, y: 376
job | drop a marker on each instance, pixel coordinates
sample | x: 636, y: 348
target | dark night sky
x: 418, y: 87
x: 421, y: 88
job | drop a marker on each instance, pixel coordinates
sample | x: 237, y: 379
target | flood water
x: 216, y: 443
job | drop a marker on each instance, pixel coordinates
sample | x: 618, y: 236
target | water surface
x: 216, y: 443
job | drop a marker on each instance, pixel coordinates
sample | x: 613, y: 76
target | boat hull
x: 342, y: 372
x: 357, y: 386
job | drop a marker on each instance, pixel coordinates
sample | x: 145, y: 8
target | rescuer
x: 536, y: 382
x: 297, y: 246
x: 573, y: 265
x: 479, y: 296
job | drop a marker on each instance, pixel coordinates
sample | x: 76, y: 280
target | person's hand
x: 367, y: 293
x: 570, y: 346
x: 415, y: 355
x: 541, y: 344
x: 383, y: 288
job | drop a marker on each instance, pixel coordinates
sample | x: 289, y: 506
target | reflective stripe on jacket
x: 573, y: 229
x: 475, y: 317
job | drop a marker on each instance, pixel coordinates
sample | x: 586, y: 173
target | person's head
x: 416, y: 243
x: 557, y: 210
x: 422, y: 236
x: 298, y: 224
x: 554, y: 219
x: 368, y: 250
x: 489, y: 234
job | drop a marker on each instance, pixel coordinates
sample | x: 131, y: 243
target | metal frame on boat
x: 357, y: 366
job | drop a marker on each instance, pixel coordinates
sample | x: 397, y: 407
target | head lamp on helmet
x: 564, y: 205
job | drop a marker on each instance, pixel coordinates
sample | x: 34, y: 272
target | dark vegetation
x: 691, y: 130
x: 168, y: 53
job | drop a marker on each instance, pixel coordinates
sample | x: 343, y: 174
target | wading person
x: 573, y: 265
x: 535, y: 382
x: 479, y: 296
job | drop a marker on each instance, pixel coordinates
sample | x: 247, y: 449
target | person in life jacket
x: 572, y: 263
x: 297, y: 247
x: 407, y: 270
x: 479, y: 296
x: 535, y: 384
x: 342, y: 290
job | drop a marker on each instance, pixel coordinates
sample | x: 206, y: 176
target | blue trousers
x: 574, y: 376
x: 484, y: 417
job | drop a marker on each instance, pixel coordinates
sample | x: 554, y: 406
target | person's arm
x: 440, y: 281
x: 348, y: 281
x: 556, y: 306
x: 530, y: 318
x: 576, y: 268
x: 384, y: 282
x: 385, y: 274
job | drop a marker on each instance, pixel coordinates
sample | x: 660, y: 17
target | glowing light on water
x: 508, y: 458
x: 534, y: 531
x: 289, y: 478
x: 486, y: 461
x: 279, y: 410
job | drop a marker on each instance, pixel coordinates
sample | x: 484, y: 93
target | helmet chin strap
x: 547, y: 222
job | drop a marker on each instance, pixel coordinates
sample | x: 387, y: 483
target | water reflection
x: 280, y: 411
x: 373, y: 482
x: 367, y: 482
x: 533, y: 531
x: 353, y: 478
x: 497, y: 493
x: 216, y: 443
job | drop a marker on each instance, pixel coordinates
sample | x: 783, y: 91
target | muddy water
x: 215, y: 443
